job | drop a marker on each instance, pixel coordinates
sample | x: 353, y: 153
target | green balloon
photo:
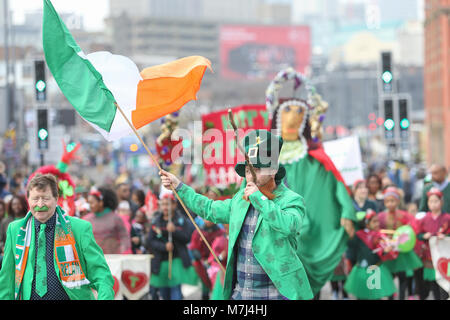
x: 407, y: 238
x: 360, y: 215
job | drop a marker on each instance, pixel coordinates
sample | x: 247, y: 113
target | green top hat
x: 263, y: 149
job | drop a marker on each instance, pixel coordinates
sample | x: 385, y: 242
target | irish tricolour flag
x: 96, y: 82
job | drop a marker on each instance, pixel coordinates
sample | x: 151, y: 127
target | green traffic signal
x: 40, y: 86
x: 404, y: 123
x: 387, y: 76
x: 389, y: 124
x: 42, y: 134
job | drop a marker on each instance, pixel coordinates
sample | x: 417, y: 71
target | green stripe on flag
x: 61, y: 253
x: 77, y: 78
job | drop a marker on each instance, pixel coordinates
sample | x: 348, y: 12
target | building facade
x: 437, y: 80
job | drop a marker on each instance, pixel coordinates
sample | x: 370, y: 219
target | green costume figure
x: 50, y: 255
x: 311, y: 173
x: 263, y: 234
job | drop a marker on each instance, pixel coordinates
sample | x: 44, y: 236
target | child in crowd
x: 369, y: 278
x: 139, y: 231
x: 124, y: 211
x: 392, y: 218
x: 361, y: 202
x: 434, y: 223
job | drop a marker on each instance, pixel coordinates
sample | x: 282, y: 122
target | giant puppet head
x: 66, y: 185
x: 298, y: 121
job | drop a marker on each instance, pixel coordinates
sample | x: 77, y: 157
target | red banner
x: 220, y: 153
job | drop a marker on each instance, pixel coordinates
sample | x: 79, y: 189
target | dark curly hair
x: 140, y: 196
x: 109, y: 198
x: 23, y: 204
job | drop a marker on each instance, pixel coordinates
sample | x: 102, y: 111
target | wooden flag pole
x: 172, y: 188
x: 241, y: 148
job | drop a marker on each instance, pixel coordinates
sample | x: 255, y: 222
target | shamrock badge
x: 65, y: 188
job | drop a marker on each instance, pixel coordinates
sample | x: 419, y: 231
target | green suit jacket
x: 91, y: 258
x: 275, y: 240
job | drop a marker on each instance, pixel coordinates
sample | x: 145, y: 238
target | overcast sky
x: 93, y: 11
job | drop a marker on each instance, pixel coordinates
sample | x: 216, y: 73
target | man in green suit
x: 52, y: 256
x: 264, y: 221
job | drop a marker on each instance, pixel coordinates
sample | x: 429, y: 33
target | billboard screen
x: 259, y: 52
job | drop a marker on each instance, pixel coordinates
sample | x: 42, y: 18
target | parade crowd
x: 136, y: 219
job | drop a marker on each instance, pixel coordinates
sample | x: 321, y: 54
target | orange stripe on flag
x: 166, y: 88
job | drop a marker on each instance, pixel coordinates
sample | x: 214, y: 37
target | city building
x: 437, y: 80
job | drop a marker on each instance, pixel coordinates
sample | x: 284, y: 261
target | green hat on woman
x: 263, y: 149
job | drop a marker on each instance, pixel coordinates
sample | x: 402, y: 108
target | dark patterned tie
x: 41, y: 264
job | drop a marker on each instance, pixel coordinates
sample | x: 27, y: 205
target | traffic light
x: 403, y: 114
x: 389, y: 122
x: 42, y: 129
x: 40, y: 83
x: 404, y: 122
x: 386, y: 71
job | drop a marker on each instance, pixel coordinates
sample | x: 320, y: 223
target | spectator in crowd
x: 361, y: 202
x: 375, y: 193
x: 3, y: 182
x: 2, y: 216
x: 2, y: 210
x: 123, y: 192
x: 109, y: 229
x: 386, y: 182
x: 434, y: 223
x: 139, y: 232
x: 418, y: 185
x: 169, y: 222
x: 124, y: 212
x: 17, y: 185
x: 81, y: 203
x: 17, y: 208
x: 439, y: 180
x: 138, y: 197
x: 412, y: 208
x: 407, y: 184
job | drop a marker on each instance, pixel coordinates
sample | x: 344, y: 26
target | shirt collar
x: 441, y: 186
x: 50, y: 224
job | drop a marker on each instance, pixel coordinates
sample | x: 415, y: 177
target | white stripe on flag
x: 69, y: 253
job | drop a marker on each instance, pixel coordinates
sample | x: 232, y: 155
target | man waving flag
x: 94, y: 83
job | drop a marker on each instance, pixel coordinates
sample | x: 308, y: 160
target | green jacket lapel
x: 237, y: 217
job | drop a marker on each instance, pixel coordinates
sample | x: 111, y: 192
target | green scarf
x: 66, y: 253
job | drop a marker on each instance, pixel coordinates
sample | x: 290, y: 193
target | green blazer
x: 275, y: 240
x: 91, y: 258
